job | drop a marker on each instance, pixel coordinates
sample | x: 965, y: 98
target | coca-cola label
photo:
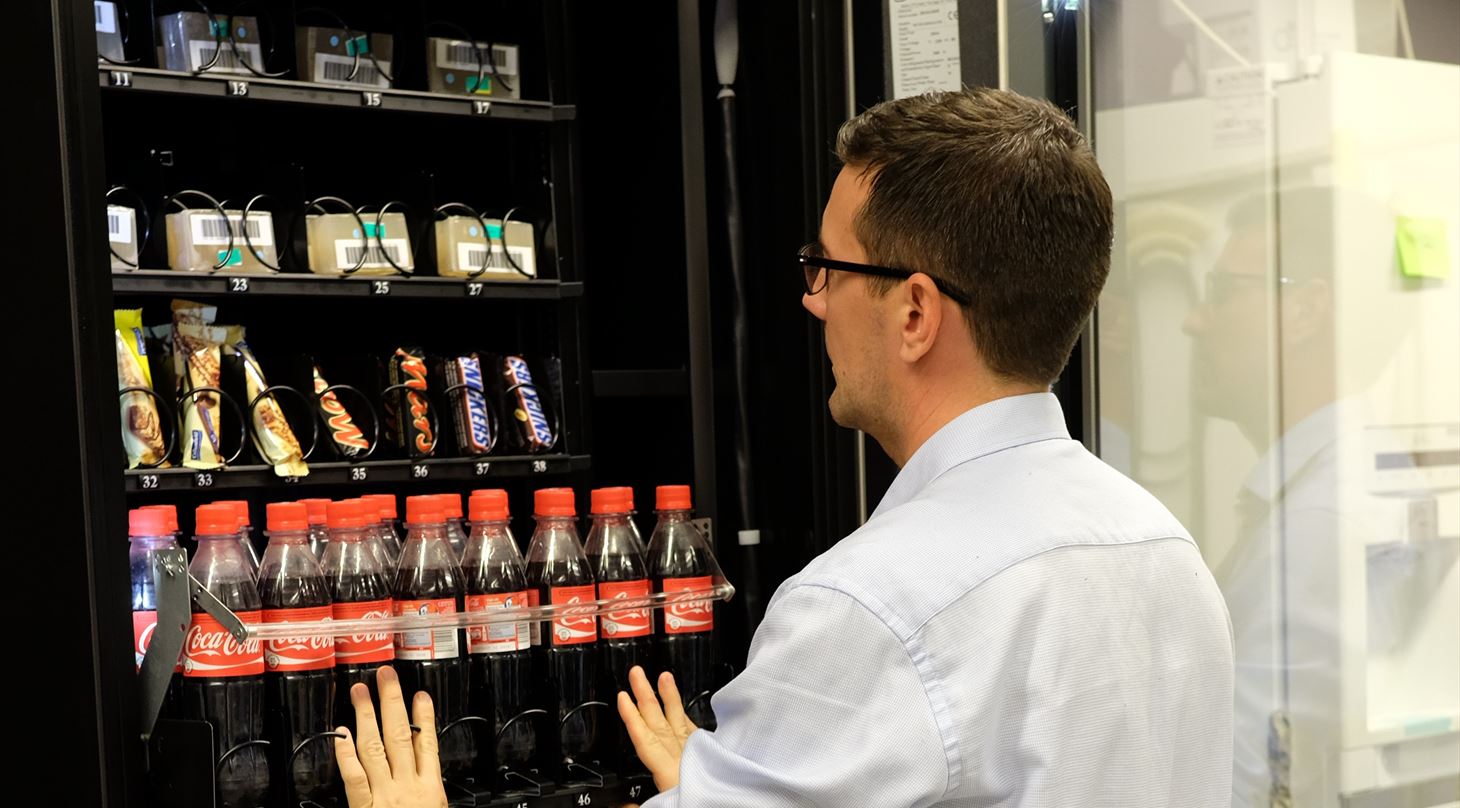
x: 573, y: 629
x: 211, y: 652
x: 626, y: 622
x: 496, y: 637
x: 534, y: 631
x: 688, y: 617
x: 299, y: 653
x: 359, y: 649
x: 144, y: 626
x: 426, y: 643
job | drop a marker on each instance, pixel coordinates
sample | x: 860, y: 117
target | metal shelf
x: 245, y: 88
x: 301, y: 284
x: 370, y: 471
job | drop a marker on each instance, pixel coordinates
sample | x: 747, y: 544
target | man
x: 1017, y: 624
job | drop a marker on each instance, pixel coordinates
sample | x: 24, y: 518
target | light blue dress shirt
x: 1016, y: 625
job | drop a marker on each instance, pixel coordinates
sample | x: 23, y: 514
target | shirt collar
x: 993, y: 427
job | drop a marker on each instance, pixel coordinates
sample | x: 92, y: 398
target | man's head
x: 998, y: 197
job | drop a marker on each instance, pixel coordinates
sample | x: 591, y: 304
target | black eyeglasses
x: 814, y: 266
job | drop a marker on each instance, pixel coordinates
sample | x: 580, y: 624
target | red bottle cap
x: 385, y: 505
x: 425, y: 509
x: 672, y: 498
x: 488, y: 505
x: 287, y: 516
x: 618, y: 499
x: 450, y: 505
x: 147, y: 522
x: 318, y: 510
x: 553, y: 502
x: 169, y: 514
x: 217, y: 519
x: 351, y: 513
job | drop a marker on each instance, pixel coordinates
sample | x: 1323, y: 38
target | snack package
x: 347, y: 437
x: 473, y: 426
x: 197, y: 355
x: 274, y: 438
x: 408, y: 418
x: 141, y: 425
x: 532, y: 428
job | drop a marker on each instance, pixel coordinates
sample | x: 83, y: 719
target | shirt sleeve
x: 830, y: 711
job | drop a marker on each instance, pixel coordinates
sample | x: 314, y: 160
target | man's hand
x: 390, y: 767
x: 658, y: 736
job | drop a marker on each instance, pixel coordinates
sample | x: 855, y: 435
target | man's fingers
x: 428, y: 756
x: 648, y: 702
x: 357, y: 784
x: 674, y: 707
x: 395, y: 727
x: 368, y: 747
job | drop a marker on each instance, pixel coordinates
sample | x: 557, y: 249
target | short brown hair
x: 999, y: 196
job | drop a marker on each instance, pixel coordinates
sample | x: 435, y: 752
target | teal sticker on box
x: 494, y: 231
x: 235, y: 258
x: 359, y: 46
x: 372, y: 229
x: 484, y: 89
x: 1421, y: 247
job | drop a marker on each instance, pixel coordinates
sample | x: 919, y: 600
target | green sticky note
x: 1422, y: 248
x: 235, y: 258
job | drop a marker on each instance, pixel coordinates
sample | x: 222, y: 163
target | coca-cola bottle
x: 359, y: 589
x: 245, y: 531
x: 558, y: 570
x: 388, y: 529
x: 500, y: 662
x: 680, y: 560
x: 455, y: 527
x: 223, y: 680
x: 428, y: 582
x: 319, y: 534
x: 616, y: 556
x: 298, y: 671
x: 150, y: 529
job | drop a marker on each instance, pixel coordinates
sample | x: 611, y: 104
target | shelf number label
x: 482, y: 468
x: 150, y: 481
x: 121, y: 78
x: 359, y: 474
x: 474, y: 289
x: 238, y: 89
x: 420, y: 471
x: 380, y: 287
x: 481, y: 107
x: 203, y: 480
x: 369, y: 99
x: 585, y: 799
x: 539, y: 466
x: 238, y: 285
x: 635, y: 791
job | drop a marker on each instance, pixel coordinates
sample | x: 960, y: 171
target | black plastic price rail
x: 370, y: 471
x: 297, y: 284
x: 249, y: 88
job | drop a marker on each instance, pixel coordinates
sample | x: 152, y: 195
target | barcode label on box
x: 348, y: 251
x: 119, y: 224
x: 456, y: 54
x: 106, y: 17
x: 210, y: 228
x: 200, y: 52
x: 469, y: 258
x: 334, y: 68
